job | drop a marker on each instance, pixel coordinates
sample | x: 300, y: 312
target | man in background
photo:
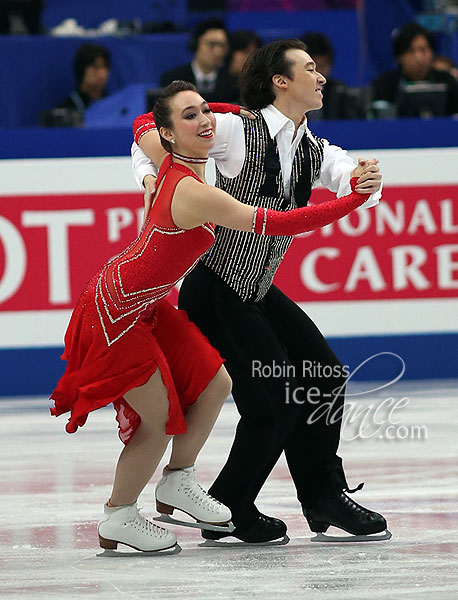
x: 243, y: 43
x: 92, y: 69
x: 413, y: 49
x: 338, y: 102
x: 210, y: 44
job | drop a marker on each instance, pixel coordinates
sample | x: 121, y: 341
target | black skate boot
x: 341, y: 511
x: 264, y: 529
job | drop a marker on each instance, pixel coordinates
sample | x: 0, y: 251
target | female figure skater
x: 127, y: 345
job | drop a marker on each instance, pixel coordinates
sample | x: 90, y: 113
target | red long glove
x: 146, y: 122
x: 142, y: 124
x: 307, y: 218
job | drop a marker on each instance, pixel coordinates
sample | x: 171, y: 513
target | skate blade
x: 229, y: 528
x: 218, y: 544
x: 176, y: 549
x: 373, y: 537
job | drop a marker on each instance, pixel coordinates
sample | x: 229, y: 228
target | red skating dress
x: 123, y: 327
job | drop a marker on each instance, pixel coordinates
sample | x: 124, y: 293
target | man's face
x: 306, y: 83
x: 211, y: 50
x: 96, y: 75
x: 417, y: 61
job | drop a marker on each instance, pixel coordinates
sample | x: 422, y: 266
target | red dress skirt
x: 123, y: 328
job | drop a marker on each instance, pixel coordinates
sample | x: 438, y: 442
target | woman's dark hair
x: 256, y: 79
x: 404, y: 36
x: 86, y: 56
x: 162, y: 111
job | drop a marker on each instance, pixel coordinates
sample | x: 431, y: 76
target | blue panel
x: 426, y: 356
x: 341, y: 26
x: 391, y: 133
x: 38, y: 74
x: 26, y: 372
x: 90, y: 14
x: 134, y: 60
x: 60, y: 143
x: 379, y: 19
x: 30, y: 372
x: 119, y: 109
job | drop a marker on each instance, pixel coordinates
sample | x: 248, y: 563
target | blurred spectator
x: 413, y: 49
x: 338, y: 101
x: 210, y: 44
x: 92, y: 69
x: 444, y: 63
x: 20, y: 17
x: 242, y: 43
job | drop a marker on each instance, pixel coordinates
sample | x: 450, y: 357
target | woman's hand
x: 247, y: 113
x: 369, y: 176
x: 149, y: 183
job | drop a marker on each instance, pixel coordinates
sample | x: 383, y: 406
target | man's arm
x: 141, y: 165
x: 228, y: 151
x: 337, y: 169
x: 145, y: 174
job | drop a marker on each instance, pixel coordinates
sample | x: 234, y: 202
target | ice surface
x: 53, y: 487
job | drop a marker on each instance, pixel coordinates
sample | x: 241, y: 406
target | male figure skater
x: 272, y: 160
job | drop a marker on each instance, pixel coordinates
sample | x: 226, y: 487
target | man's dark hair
x: 404, y: 36
x: 162, y: 110
x: 256, y: 79
x: 318, y: 44
x: 203, y: 27
x: 86, y: 55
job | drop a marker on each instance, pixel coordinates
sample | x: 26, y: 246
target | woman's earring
x: 172, y: 140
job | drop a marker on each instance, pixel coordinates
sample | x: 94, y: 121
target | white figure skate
x: 179, y: 489
x: 125, y: 525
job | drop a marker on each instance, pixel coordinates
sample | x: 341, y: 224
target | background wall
x: 381, y: 281
x: 38, y: 73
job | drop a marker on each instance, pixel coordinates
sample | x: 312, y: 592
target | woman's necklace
x: 189, y: 159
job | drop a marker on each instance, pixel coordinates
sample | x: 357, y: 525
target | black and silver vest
x: 246, y: 261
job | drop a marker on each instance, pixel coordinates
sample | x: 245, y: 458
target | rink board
x: 381, y: 280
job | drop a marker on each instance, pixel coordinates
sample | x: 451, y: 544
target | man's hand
x: 149, y: 183
x: 369, y: 176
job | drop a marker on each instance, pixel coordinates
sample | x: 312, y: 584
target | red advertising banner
x: 406, y: 247
x: 51, y: 245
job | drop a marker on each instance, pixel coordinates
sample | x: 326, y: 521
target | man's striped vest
x: 247, y: 262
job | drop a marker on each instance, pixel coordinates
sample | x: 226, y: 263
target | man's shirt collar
x: 276, y: 120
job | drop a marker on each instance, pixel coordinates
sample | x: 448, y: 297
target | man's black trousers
x: 296, y: 408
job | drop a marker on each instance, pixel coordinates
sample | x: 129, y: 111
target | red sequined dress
x: 123, y: 327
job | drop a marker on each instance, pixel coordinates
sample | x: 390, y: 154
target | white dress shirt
x: 229, y: 153
x: 204, y: 81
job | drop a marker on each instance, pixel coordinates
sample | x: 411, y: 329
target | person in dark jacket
x: 210, y: 44
x: 413, y: 48
x: 338, y: 101
x: 92, y: 69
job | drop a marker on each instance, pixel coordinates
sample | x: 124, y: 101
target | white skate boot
x: 125, y: 525
x: 179, y: 489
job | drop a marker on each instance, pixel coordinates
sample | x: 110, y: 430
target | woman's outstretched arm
x: 195, y: 204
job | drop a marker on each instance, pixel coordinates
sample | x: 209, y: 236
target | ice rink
x: 53, y: 487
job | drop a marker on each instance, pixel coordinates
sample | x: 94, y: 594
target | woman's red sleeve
x: 299, y: 220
